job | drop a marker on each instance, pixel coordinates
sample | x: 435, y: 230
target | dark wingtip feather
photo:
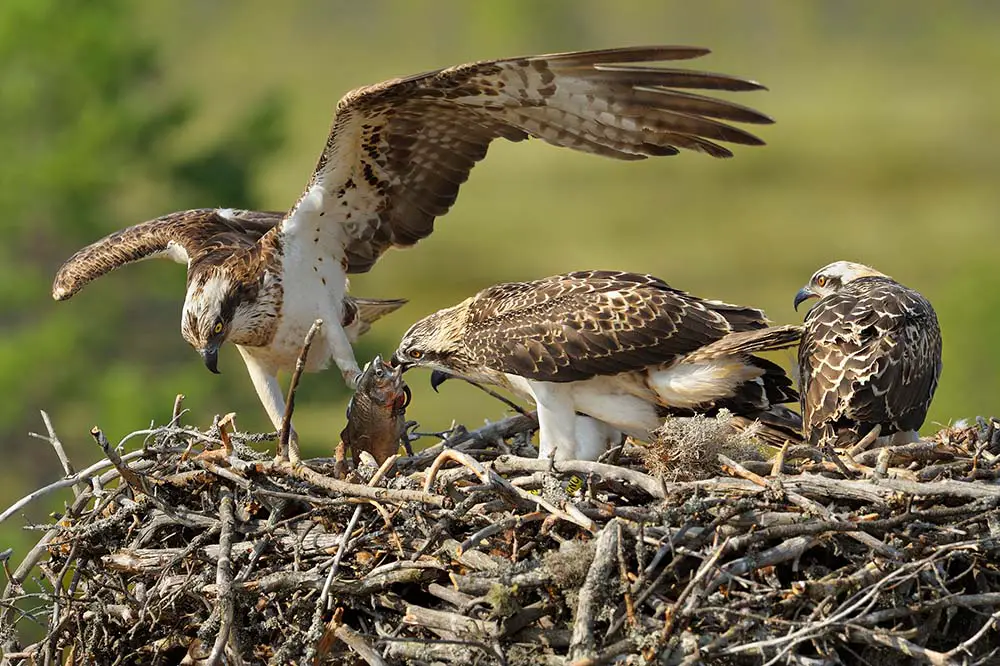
x: 67, y: 281
x: 627, y: 54
x: 700, y: 105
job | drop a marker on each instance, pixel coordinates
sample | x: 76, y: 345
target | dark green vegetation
x: 884, y: 152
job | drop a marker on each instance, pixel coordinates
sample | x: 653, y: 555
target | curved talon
x: 406, y: 437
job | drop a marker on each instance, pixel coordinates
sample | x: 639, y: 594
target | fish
x: 376, y: 414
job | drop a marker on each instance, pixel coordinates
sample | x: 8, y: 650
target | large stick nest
x: 469, y: 553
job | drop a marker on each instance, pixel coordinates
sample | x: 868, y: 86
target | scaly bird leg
x: 556, y: 422
x: 271, y: 396
x: 826, y: 445
x: 342, y: 352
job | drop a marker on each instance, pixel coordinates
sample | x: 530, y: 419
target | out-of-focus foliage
x: 88, y: 134
x: 884, y: 151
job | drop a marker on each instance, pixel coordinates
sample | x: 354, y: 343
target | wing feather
x: 399, y: 151
x: 575, y: 326
x: 182, y: 236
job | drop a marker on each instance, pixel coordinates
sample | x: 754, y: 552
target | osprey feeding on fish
x: 394, y: 160
x: 625, y: 349
x: 870, y: 356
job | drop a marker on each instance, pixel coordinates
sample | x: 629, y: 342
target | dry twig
x: 288, y: 443
x: 164, y: 557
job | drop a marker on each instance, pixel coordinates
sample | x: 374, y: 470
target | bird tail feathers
x: 749, y: 342
x: 372, y: 309
x: 773, y: 426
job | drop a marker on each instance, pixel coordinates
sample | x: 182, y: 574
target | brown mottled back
x: 870, y: 355
x: 574, y: 326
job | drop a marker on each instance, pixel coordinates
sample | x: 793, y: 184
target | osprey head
x: 435, y: 342
x: 831, y: 278
x: 215, y: 310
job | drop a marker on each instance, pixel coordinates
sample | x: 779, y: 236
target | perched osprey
x: 622, y: 348
x: 870, y: 356
x: 394, y: 160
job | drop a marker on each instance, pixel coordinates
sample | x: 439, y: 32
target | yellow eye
x: 821, y: 281
x: 416, y: 353
x: 218, y: 328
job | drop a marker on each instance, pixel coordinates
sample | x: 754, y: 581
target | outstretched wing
x: 870, y: 354
x: 575, y: 326
x: 399, y: 151
x: 182, y: 236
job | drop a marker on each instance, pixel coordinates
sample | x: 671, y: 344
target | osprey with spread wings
x: 395, y: 158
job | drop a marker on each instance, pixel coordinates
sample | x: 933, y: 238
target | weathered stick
x: 342, y: 547
x: 490, y: 476
x: 53, y: 439
x: 964, y: 648
x: 512, y: 522
x: 959, y: 601
x: 681, y: 607
x: 414, y: 572
x: 416, y: 651
x: 175, y: 413
x: 783, y: 552
x: 224, y: 577
x: 592, y: 593
x: 354, y: 641
x: 899, y: 644
x: 460, y: 625
x: 128, y: 476
x: 455, y: 456
x: 339, y: 487
x: 502, y: 429
x: 508, y: 464
x: 81, y: 476
x: 288, y: 444
x: 810, y: 505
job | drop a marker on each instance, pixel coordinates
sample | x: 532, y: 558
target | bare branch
x: 288, y: 444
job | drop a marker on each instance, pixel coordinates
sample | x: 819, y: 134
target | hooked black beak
x: 210, y: 355
x: 438, y: 377
x: 804, y: 294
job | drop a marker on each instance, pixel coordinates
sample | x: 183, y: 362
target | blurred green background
x: 113, y: 112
